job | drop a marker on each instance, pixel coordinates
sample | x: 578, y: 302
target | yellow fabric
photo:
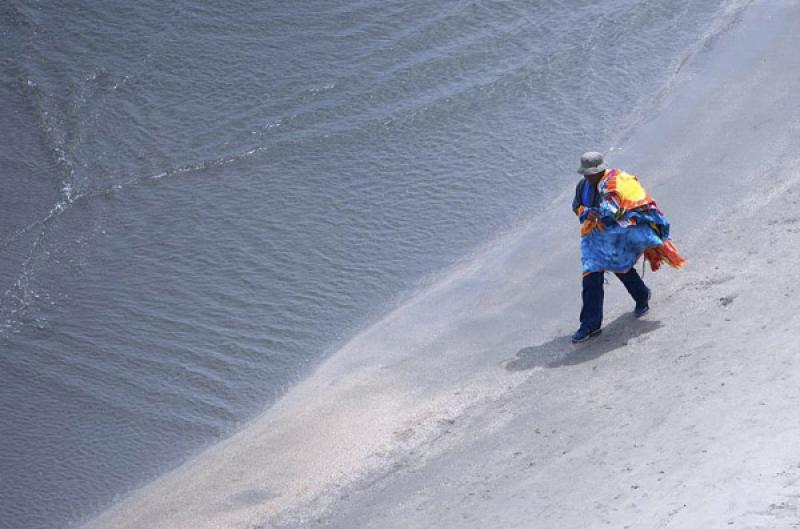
x: 629, y: 188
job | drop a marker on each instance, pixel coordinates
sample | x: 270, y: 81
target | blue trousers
x: 592, y: 311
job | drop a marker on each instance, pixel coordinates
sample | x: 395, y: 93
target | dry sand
x: 469, y: 408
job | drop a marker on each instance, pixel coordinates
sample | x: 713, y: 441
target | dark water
x: 201, y: 201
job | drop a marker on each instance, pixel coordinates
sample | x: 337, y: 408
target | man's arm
x: 580, y: 210
x: 577, y: 207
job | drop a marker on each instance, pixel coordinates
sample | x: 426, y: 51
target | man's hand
x: 593, y: 215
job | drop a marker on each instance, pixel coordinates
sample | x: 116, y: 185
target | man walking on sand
x: 619, y: 223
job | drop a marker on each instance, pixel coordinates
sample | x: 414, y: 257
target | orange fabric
x: 589, y: 225
x: 664, y: 254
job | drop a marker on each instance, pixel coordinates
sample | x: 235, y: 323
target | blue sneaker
x: 643, y: 309
x: 581, y: 335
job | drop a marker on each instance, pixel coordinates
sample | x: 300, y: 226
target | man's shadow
x: 560, y: 351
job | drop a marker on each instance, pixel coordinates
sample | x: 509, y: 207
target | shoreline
x: 405, y: 410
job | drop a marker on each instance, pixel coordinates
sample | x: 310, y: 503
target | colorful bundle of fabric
x: 629, y: 225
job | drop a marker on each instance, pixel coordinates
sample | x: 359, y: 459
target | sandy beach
x: 468, y: 407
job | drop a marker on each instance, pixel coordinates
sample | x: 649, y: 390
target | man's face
x: 594, y: 178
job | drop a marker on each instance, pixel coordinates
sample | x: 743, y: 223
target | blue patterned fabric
x: 617, y: 247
